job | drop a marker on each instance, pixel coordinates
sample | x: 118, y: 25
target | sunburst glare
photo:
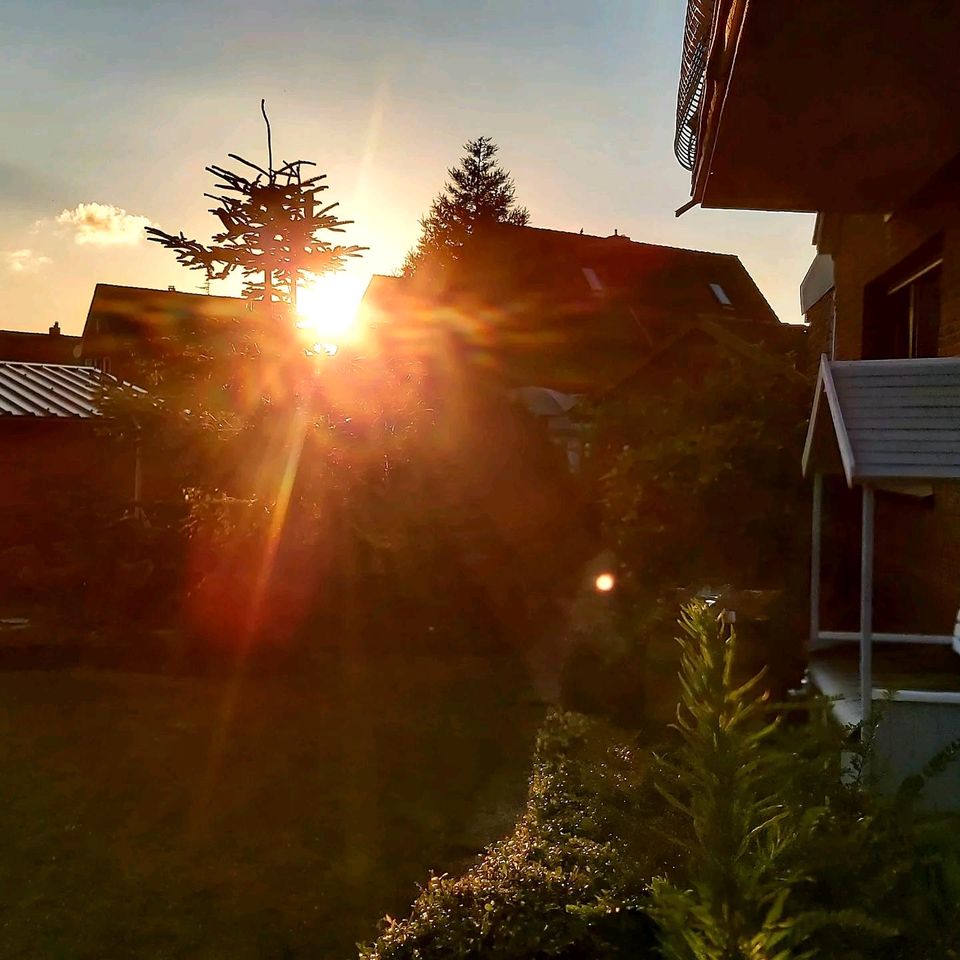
x: 328, y: 308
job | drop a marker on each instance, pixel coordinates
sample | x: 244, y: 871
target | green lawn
x: 151, y: 817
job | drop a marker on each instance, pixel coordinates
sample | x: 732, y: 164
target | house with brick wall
x: 571, y: 311
x: 28, y: 346
x: 555, y: 317
x: 849, y: 111
x: 129, y: 327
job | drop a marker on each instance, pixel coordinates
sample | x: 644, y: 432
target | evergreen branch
x: 248, y: 163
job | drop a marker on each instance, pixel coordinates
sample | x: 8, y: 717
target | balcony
x: 693, y: 68
x: 817, y: 105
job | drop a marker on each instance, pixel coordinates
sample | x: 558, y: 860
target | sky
x: 114, y: 108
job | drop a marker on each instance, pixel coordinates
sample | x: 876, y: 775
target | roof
x: 570, y: 311
x: 886, y: 420
x: 49, y: 390
x: 120, y: 315
x: 557, y: 268
x: 31, y: 347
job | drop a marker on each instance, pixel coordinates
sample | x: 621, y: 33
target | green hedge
x: 568, y: 882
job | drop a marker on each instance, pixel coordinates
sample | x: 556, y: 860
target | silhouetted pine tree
x: 479, y: 191
x: 272, y: 226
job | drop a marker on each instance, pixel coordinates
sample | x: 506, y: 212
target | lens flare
x: 605, y: 582
x: 328, y: 307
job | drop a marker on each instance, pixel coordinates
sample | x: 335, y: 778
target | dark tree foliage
x: 479, y: 191
x: 272, y: 226
x: 699, y: 476
x: 697, y: 471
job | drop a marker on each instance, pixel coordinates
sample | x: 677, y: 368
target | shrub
x: 747, y: 844
x: 565, y: 883
x: 783, y: 856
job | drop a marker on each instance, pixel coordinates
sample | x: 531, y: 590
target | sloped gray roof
x: 48, y: 390
x: 889, y: 420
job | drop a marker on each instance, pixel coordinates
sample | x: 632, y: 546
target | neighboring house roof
x: 31, y: 347
x: 570, y: 311
x: 575, y: 272
x: 49, y: 390
x: 120, y: 316
x: 886, y: 420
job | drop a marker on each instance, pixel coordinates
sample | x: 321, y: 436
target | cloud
x: 25, y: 261
x: 104, y: 224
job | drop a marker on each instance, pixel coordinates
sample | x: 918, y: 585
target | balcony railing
x: 696, y: 41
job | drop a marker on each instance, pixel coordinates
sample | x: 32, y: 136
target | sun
x: 328, y: 307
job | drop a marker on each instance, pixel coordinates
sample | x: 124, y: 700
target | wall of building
x: 908, y: 737
x: 819, y: 331
x: 918, y: 561
x: 865, y: 246
x: 51, y: 469
x: 918, y: 540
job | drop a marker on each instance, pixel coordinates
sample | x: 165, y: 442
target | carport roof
x: 886, y: 420
x: 49, y: 390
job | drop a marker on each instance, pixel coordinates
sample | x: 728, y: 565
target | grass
x: 155, y: 817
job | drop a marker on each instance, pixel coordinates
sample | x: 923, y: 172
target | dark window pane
x: 886, y: 325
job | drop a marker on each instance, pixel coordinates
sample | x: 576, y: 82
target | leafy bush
x: 566, y: 882
x: 749, y: 843
x: 783, y: 856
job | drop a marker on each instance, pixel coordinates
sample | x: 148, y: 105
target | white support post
x: 815, y: 534
x: 866, y: 605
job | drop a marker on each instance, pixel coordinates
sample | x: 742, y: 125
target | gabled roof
x: 573, y: 312
x: 886, y: 420
x: 26, y: 346
x: 529, y: 267
x: 121, y: 316
x: 49, y: 390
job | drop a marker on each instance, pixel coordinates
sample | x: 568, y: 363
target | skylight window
x: 721, y: 295
x: 590, y: 275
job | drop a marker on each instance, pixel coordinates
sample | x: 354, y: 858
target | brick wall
x: 820, y: 324
x: 865, y: 246
x: 918, y: 541
x: 49, y: 469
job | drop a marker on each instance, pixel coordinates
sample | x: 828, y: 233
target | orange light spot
x: 605, y: 582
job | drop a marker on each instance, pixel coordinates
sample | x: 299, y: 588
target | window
x: 590, y: 275
x: 901, y: 311
x: 721, y: 295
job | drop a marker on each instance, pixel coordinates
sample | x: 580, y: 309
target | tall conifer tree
x: 478, y: 191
